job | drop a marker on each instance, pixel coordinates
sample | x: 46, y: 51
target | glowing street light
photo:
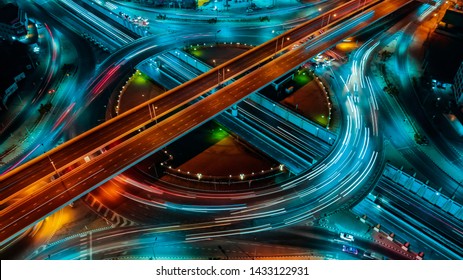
x: 51, y: 161
x: 154, y: 112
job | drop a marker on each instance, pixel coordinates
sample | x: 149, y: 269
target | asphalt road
x: 87, y: 177
x: 166, y: 242
x: 99, y: 137
x: 434, y: 222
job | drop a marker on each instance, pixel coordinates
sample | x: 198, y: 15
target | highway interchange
x: 338, y: 181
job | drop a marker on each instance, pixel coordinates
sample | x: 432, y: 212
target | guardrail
x: 424, y: 191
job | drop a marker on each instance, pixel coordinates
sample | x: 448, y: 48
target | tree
x: 44, y: 109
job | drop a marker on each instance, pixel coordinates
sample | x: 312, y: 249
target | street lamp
x: 334, y: 15
x: 282, y: 41
x: 56, y: 170
x: 223, y: 74
x: 154, y: 112
x: 51, y: 161
x: 53, y: 164
x: 328, y: 19
x: 155, y: 117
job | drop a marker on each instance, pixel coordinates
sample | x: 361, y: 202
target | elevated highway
x: 258, y: 127
x: 112, y: 131
x: 77, y: 182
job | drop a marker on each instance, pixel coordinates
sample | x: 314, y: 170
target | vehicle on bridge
x: 350, y: 250
x: 347, y: 237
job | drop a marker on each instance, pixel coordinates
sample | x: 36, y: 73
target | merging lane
x: 113, y: 130
x: 89, y: 176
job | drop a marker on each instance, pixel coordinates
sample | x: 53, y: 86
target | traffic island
x: 217, y: 160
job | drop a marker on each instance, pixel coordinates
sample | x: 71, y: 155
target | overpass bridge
x: 395, y: 203
x: 289, y: 145
x: 126, y: 125
x: 77, y: 182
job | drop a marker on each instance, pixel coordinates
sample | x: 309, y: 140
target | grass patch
x: 302, y: 77
x: 197, y: 52
x: 217, y: 134
x: 321, y: 120
x: 140, y: 78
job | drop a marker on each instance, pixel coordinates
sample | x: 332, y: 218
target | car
x: 350, y: 250
x: 346, y: 237
x: 356, y: 97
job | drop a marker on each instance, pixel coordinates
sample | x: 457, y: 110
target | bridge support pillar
x: 396, y: 177
x: 421, y: 191
x: 234, y: 111
x: 459, y: 213
x: 447, y: 205
x: 408, y: 185
x: 434, y: 198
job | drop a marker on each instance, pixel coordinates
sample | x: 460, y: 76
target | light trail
x: 108, y: 29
